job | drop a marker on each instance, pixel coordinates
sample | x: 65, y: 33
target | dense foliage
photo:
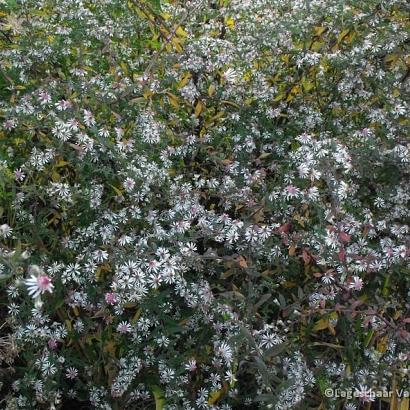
x: 203, y: 203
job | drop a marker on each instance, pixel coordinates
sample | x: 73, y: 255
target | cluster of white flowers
x: 206, y: 201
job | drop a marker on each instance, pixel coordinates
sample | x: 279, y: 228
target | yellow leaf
x: 181, y: 32
x: 351, y: 37
x: 247, y: 76
x: 299, y: 219
x: 211, y: 90
x: 136, y: 316
x: 130, y: 305
x: 165, y: 16
x: 316, y: 45
x: 307, y: 85
x: 124, y: 68
x: 321, y: 325
x: 259, y: 215
x: 404, y: 404
x: 147, y: 94
x: 54, y: 220
x: 55, y: 176
x: 279, y: 97
x: 391, y: 58
x: 397, y: 314
x: 184, y: 80
x: 98, y: 275
x: 331, y: 329
x: 176, y: 42
x: 198, y: 109
x: 68, y: 325
x: 216, y: 117
x: 369, y: 338
x: 382, y: 344
x: 173, y: 100
x: 319, y: 30
x: 394, y: 399
x: 333, y: 315
x: 231, y: 103
x: 137, y: 100
x: 230, y: 22
x: 61, y: 163
x: 295, y: 89
x: 396, y: 92
x: 117, y: 190
x: 264, y: 155
x: 215, y: 396
x: 342, y: 35
x: 285, y: 58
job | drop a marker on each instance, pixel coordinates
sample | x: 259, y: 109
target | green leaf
x: 159, y: 397
x: 156, y: 4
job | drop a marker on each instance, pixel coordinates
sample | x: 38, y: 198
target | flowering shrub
x: 203, y: 203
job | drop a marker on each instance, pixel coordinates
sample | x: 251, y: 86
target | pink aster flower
x: 110, y: 298
x: 37, y: 285
x: 52, y: 344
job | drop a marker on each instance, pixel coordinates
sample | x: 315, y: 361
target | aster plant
x: 203, y: 204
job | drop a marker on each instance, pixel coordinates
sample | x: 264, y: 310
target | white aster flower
x: 355, y: 283
x: 5, y: 231
x: 230, y: 75
x: 37, y: 285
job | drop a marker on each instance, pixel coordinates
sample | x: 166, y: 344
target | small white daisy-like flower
x: 19, y: 175
x: 129, y: 184
x: 100, y: 255
x: 124, y: 327
x: 48, y: 369
x: 230, y: 75
x: 365, y: 393
x: 5, y: 231
x: 269, y: 340
x: 230, y: 377
x: 328, y: 278
x: 355, y: 283
x: 71, y: 373
x: 37, y: 285
x: 224, y: 351
x: 191, y: 365
x: 291, y: 192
